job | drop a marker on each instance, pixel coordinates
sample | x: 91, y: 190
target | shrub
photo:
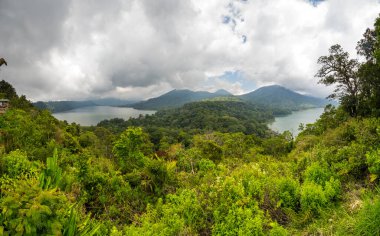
x: 206, y: 165
x: 312, y: 197
x: 238, y: 221
x: 289, y: 193
x: 15, y: 164
x: 317, y: 173
x: 373, y: 162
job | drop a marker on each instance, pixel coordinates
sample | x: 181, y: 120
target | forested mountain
x: 200, y: 117
x: 276, y: 96
x: 176, y: 98
x: 60, y: 106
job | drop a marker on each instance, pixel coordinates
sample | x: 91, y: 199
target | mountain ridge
x: 176, y: 98
x: 273, y: 96
x: 277, y: 96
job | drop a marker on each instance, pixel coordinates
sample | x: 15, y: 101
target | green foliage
x: 28, y: 209
x: 278, y: 145
x: 7, y: 90
x: 206, y: 165
x: 74, y: 227
x: 278, y: 230
x: 16, y: 164
x: 208, y: 147
x: 223, y: 116
x: 51, y: 176
x: 111, y: 179
x: 373, y: 162
x: 368, y: 220
x: 131, y: 148
x: 238, y: 221
x: 312, y: 197
x: 180, y: 215
x: 289, y: 193
x: 317, y: 173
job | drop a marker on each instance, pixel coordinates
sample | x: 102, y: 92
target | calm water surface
x: 93, y: 115
x: 291, y: 122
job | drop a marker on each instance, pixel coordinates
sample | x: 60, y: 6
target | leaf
x: 372, y: 177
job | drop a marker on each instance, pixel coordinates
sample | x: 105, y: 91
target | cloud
x: 140, y: 49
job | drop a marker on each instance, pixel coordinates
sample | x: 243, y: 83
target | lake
x: 291, y: 122
x: 87, y: 116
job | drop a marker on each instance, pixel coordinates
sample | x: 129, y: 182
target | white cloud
x: 140, y: 49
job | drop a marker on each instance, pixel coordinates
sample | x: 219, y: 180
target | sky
x: 138, y: 49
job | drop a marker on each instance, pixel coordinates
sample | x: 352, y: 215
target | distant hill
x: 61, y: 106
x: 177, y: 98
x: 276, y: 96
x: 222, y: 116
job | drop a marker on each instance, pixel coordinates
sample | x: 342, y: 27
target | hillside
x: 177, y: 98
x: 60, y: 106
x: 203, y: 116
x: 202, y: 169
x: 276, y: 96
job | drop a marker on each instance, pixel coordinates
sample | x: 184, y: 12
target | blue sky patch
x: 232, y: 77
x: 315, y: 2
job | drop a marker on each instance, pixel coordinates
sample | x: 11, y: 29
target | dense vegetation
x: 63, y: 179
x: 200, y: 117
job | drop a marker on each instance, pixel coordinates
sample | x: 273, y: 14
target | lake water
x: 87, y: 116
x: 291, y: 122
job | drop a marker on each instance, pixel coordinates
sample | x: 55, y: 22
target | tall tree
x: 338, y: 69
x: 7, y: 90
x: 369, y: 72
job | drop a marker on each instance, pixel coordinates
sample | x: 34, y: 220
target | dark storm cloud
x: 29, y: 29
x: 139, y: 49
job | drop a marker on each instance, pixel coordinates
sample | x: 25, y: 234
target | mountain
x: 276, y: 96
x: 222, y: 92
x: 61, y: 106
x: 177, y: 98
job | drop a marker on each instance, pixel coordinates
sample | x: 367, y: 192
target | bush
x: 238, y: 221
x: 289, y: 193
x: 317, y: 173
x: 312, y: 197
x: 15, y: 164
x: 373, y: 162
x: 206, y: 165
x: 29, y: 210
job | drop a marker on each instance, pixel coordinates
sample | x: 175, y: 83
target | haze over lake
x: 291, y: 122
x: 94, y: 114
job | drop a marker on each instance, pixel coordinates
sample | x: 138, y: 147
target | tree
x: 366, y: 46
x: 7, y: 89
x: 131, y: 148
x: 369, y: 71
x: 338, y: 69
